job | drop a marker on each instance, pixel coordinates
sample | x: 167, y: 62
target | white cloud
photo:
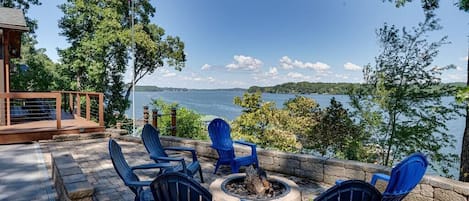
x: 464, y: 58
x: 459, y: 68
x: 454, y: 78
x: 169, y: 75
x: 166, y: 73
x: 296, y: 75
x: 206, y: 67
x: 287, y: 63
x: 245, y: 62
x: 272, y: 72
x: 318, y: 66
x: 352, y: 67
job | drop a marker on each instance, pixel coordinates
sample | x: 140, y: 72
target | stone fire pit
x: 220, y: 193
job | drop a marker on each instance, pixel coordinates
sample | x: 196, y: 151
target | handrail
x: 30, y: 95
x: 57, y: 95
x: 88, y: 96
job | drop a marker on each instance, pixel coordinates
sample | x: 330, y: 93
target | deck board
x: 43, y: 130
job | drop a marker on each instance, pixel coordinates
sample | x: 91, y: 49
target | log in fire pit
x: 254, y: 185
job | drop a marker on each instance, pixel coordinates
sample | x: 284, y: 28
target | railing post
x: 88, y: 107
x: 145, y: 114
x: 173, y: 121
x: 155, y: 118
x: 8, y: 112
x: 70, y: 102
x: 101, y: 109
x: 58, y: 110
x: 78, y: 105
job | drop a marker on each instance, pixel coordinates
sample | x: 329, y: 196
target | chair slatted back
x: 151, y: 141
x: 220, y: 134
x: 405, y: 176
x: 175, y: 186
x: 351, y: 190
x: 121, y: 166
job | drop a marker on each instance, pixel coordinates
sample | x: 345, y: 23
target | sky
x: 242, y: 43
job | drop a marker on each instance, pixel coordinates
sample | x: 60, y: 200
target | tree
x: 100, y: 34
x: 464, y: 162
x: 262, y: 123
x: 335, y: 133
x: 23, y: 5
x: 189, y: 123
x: 150, y: 56
x: 303, y: 115
x: 406, y: 93
x: 34, y: 71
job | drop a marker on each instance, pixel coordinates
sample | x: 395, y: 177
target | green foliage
x: 34, y: 71
x: 188, y: 122
x: 148, y: 88
x: 432, y: 4
x: 401, y: 103
x: 336, y: 133
x: 24, y: 6
x: 301, y: 125
x: 260, y: 122
x: 101, y: 35
x: 306, y: 88
x: 303, y: 115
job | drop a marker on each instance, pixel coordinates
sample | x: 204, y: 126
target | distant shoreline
x: 285, y: 88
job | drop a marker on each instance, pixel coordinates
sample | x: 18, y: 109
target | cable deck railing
x: 22, y: 107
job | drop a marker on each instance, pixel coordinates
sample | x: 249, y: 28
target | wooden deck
x: 43, y: 130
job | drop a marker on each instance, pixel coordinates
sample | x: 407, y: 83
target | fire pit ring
x: 219, y: 193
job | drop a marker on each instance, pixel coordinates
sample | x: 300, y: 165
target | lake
x: 220, y: 103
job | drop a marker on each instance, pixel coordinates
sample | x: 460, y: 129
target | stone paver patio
x: 93, y: 158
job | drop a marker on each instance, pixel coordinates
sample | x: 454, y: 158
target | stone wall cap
x: 335, y: 162
x: 79, y: 190
x: 311, y: 158
x: 440, y: 182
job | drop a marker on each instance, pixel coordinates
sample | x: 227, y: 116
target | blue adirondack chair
x: 219, y: 132
x: 175, y: 186
x: 351, y: 190
x: 126, y: 173
x: 404, y: 177
x: 151, y: 140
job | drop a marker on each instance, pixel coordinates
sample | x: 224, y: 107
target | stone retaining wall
x: 70, y: 182
x: 327, y: 170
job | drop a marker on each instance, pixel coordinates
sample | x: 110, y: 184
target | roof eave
x: 14, y: 27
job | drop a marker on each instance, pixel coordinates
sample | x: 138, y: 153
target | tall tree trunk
x: 464, y: 170
x: 127, y: 92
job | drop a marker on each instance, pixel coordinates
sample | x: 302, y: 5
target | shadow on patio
x: 93, y: 158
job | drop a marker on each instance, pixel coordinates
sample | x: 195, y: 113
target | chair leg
x: 234, y: 168
x: 216, y: 167
x: 201, y: 176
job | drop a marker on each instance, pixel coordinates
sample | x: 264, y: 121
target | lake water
x: 220, y: 103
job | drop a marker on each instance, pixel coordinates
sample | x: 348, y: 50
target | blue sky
x: 266, y: 42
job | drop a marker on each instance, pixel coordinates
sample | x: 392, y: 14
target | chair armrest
x: 179, y: 159
x: 194, y: 155
x: 151, y: 166
x: 138, y: 183
x: 377, y: 176
x: 252, y: 145
x: 338, y: 181
x: 219, y: 148
x: 162, y: 158
x: 245, y: 143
